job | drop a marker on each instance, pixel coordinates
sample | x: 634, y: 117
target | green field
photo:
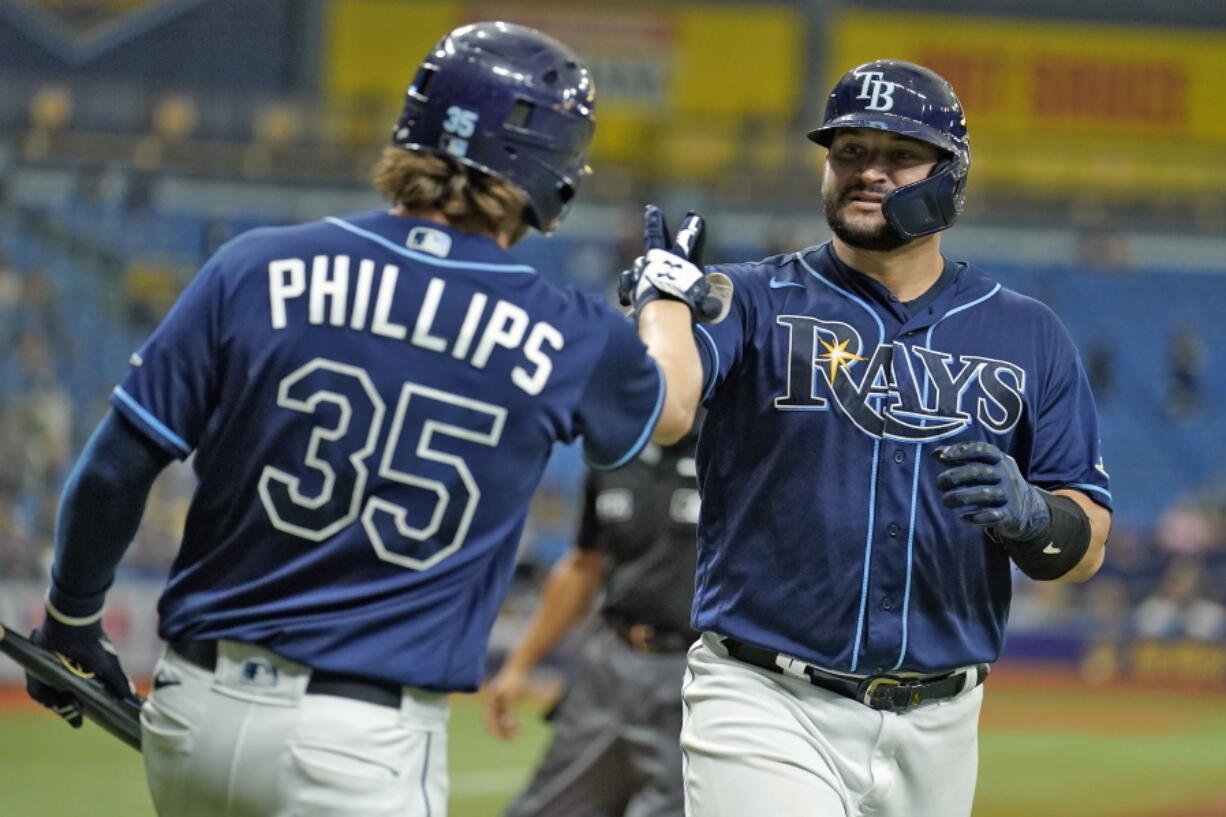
x: 1045, y: 752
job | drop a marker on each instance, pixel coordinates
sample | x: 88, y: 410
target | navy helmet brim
x: 902, y: 125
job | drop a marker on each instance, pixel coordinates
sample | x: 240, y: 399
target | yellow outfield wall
x: 682, y: 79
x: 1066, y: 106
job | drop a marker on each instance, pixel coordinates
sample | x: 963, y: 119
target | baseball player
x: 889, y: 433
x: 615, y: 744
x: 370, y: 401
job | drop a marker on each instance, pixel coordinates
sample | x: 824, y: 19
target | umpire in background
x: 615, y: 748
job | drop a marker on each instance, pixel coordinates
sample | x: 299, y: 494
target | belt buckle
x: 877, y: 698
x: 640, y: 635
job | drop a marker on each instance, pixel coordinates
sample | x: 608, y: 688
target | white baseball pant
x: 755, y: 742
x: 247, y: 741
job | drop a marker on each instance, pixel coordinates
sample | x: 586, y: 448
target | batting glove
x: 85, y: 651
x: 675, y: 271
x: 987, y: 489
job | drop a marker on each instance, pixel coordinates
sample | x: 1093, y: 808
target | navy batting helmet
x: 509, y: 101
x: 910, y: 100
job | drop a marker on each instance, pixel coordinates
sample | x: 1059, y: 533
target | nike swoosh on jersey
x: 777, y: 284
x: 1051, y: 549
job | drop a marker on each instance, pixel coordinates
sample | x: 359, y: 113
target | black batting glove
x: 85, y: 651
x: 673, y: 269
x: 987, y: 489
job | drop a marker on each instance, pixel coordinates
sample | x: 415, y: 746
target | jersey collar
x: 960, y: 284
x: 395, y: 231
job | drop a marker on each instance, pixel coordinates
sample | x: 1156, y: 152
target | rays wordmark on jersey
x: 896, y: 391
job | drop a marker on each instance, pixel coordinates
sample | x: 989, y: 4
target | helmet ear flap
x: 929, y: 205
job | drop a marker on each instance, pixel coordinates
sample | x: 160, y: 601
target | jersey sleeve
x: 170, y: 390
x: 622, y: 399
x: 1066, y: 447
x: 719, y: 344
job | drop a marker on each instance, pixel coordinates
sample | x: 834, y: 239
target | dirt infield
x: 1062, y: 677
x: 1215, y: 807
x: 1055, y: 698
x: 13, y: 697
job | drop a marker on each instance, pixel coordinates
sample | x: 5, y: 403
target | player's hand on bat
x: 502, y: 693
x: 986, y: 488
x: 673, y: 269
x: 85, y: 651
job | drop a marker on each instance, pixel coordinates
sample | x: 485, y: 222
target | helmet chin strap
x: 928, y: 206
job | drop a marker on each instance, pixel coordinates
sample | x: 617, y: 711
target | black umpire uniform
x: 616, y: 741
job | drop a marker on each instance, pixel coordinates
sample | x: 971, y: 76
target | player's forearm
x: 103, y: 501
x: 565, y: 598
x: 666, y: 327
x: 1100, y: 528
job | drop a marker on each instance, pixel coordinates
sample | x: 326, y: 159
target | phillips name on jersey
x: 326, y: 290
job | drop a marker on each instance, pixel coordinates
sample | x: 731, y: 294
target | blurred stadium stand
x: 124, y: 165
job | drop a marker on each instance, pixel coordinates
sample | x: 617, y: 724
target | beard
x: 875, y: 239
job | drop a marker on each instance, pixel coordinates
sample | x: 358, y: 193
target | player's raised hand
x: 673, y: 269
x: 986, y: 488
x: 87, y: 652
x: 501, y: 694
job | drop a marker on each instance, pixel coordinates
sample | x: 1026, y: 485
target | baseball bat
x: 118, y: 716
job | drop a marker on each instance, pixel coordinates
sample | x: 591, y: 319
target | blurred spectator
x: 550, y: 526
x: 39, y: 304
x: 217, y: 232
x: 1184, y: 529
x: 1104, y: 249
x: 1182, y: 605
x: 1100, y: 368
x: 1108, y: 609
x: 138, y: 194
x: 1186, y: 354
x: 1041, y: 605
x: 151, y: 288
x: 10, y: 284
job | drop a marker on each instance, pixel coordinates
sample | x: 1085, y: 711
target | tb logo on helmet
x: 878, y: 91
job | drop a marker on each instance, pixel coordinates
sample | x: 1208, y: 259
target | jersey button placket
x: 900, y: 457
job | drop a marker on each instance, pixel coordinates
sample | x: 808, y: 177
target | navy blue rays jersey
x: 371, y: 402
x: 822, y: 533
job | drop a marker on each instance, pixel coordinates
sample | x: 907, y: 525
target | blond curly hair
x: 477, y: 202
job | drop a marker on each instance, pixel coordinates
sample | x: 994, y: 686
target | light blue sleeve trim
x: 1082, y: 487
x: 645, y: 435
x: 713, y: 375
x: 422, y: 257
x: 153, y: 422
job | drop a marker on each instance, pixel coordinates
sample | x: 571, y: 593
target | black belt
x: 648, y: 637
x: 342, y: 685
x: 891, y: 693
